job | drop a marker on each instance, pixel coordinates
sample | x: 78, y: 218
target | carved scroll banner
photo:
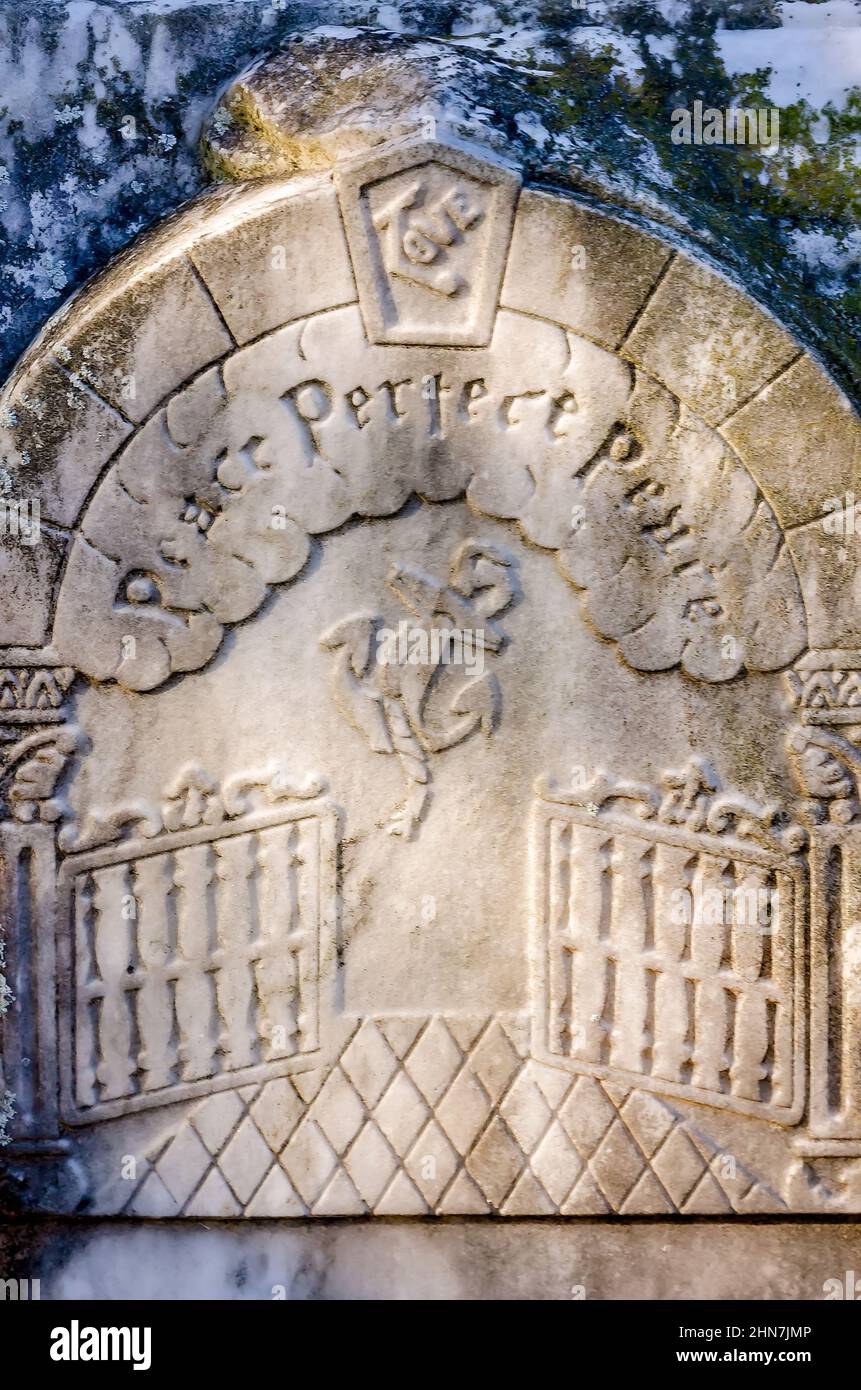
x: 428, y: 722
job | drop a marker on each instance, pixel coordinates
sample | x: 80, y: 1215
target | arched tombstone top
x: 568, y: 298
x: 302, y: 432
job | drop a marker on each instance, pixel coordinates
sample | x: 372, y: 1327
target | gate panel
x: 668, y: 956
x: 194, y: 960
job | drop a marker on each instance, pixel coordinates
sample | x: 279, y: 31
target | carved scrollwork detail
x: 276, y: 784
x: 193, y: 799
x: 828, y: 767
x: 34, y: 768
x: 691, y: 798
x: 36, y: 741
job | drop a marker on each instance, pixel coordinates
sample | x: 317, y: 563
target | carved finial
x: 330, y: 96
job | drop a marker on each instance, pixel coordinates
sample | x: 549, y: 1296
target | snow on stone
x: 815, y: 56
x: 598, y: 38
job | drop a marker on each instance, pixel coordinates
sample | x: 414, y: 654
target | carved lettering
x: 418, y: 229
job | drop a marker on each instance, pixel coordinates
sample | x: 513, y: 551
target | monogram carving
x: 414, y: 692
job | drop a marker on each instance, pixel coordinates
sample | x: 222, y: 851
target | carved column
x: 826, y: 750
x: 36, y: 741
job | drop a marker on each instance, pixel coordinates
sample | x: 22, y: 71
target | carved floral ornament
x: 421, y: 366
x: 691, y: 798
x: 192, y: 800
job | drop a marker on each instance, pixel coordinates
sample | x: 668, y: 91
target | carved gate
x: 428, y: 363
x: 193, y: 960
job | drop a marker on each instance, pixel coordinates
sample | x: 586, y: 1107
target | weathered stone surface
x: 325, y: 98
x: 131, y: 358
x: 28, y: 577
x: 565, y: 264
x: 738, y: 348
x: 799, y: 432
x: 58, y: 436
x: 456, y: 1260
x: 439, y: 783
x: 288, y: 261
x: 828, y: 574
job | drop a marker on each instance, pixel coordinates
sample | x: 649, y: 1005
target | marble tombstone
x: 431, y: 720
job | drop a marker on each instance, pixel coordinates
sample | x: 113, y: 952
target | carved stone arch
x: 292, y: 363
x: 749, y: 381
x: 215, y: 498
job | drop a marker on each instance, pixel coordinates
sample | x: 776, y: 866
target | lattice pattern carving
x: 439, y: 1116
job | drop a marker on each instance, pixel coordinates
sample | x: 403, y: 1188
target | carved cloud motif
x: 681, y: 557
x: 213, y: 501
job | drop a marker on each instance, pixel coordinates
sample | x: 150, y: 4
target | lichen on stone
x: 7, y: 1111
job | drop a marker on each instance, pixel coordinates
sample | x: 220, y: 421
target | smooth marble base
x: 451, y: 1260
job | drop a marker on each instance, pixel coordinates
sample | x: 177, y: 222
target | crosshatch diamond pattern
x: 444, y: 1116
